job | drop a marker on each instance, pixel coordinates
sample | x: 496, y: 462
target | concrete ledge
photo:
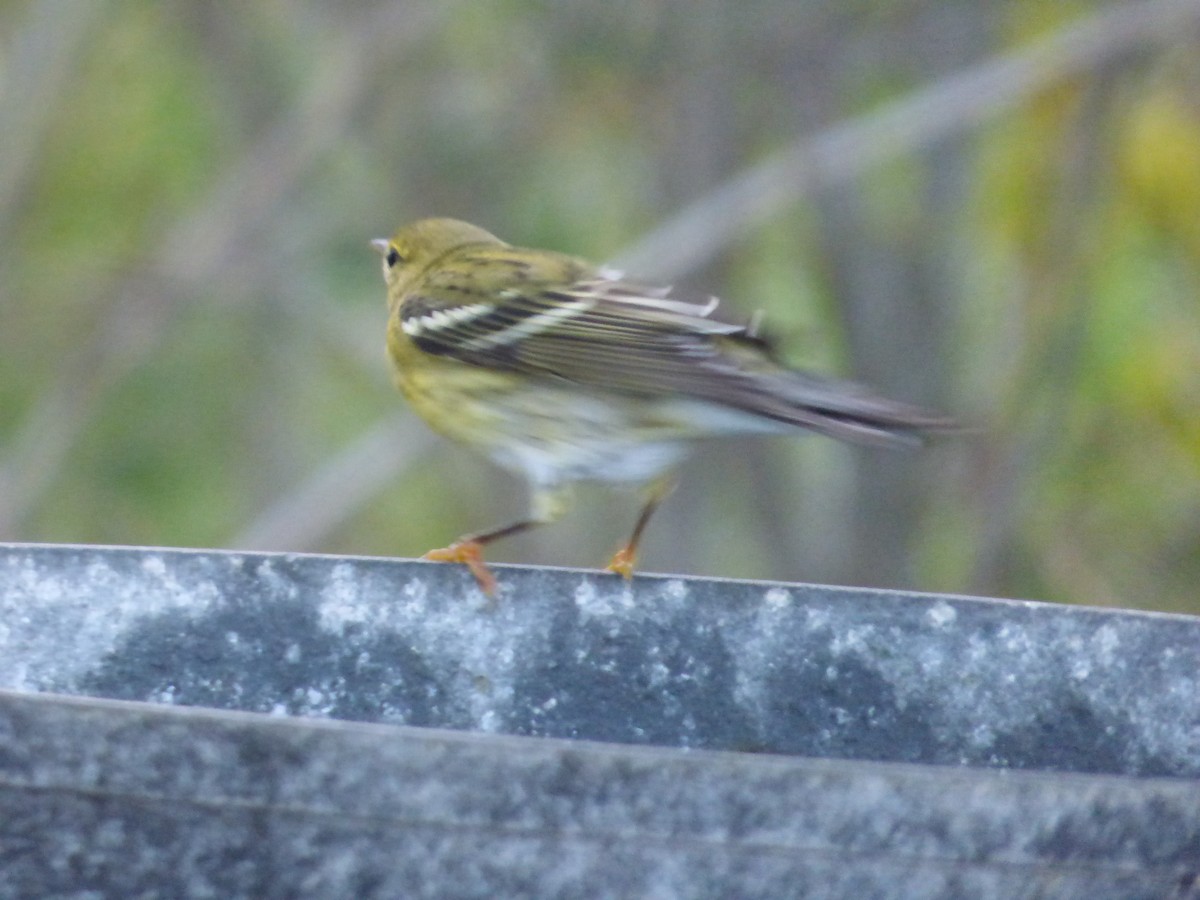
x: 797, y: 669
x: 116, y: 797
x: 125, y: 798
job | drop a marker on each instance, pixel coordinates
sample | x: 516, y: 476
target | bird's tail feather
x: 845, y: 411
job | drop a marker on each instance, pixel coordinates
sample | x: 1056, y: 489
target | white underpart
x: 627, y: 462
x: 569, y: 437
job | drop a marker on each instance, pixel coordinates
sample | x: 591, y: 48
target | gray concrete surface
x: 889, y: 745
x: 129, y: 800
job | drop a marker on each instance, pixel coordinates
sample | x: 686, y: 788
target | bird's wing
x: 578, y: 331
x: 613, y: 335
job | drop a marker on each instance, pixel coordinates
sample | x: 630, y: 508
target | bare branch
x: 44, y: 53
x: 300, y: 519
x: 951, y: 105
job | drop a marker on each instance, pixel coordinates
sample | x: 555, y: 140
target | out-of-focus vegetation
x: 988, y: 208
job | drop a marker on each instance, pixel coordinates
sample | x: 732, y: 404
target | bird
x: 565, y: 372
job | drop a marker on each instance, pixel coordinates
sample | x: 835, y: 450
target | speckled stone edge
x: 125, y: 798
x: 674, y: 662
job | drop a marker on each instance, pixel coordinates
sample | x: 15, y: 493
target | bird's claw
x: 470, y: 554
x: 623, y: 562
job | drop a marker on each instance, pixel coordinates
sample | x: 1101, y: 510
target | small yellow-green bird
x: 563, y: 371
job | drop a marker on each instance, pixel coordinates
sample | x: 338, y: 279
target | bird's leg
x: 625, y: 559
x: 548, y: 505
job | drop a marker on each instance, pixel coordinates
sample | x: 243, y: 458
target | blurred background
x: 991, y: 209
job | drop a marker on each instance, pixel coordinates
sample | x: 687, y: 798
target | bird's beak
x: 380, y: 245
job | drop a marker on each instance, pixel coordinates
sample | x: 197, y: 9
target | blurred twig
x: 40, y: 58
x: 1043, y: 395
x: 305, y: 515
x: 953, y: 104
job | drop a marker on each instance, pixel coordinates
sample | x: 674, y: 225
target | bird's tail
x: 843, y: 410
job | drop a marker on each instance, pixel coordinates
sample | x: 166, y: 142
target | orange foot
x: 623, y: 562
x: 470, y: 554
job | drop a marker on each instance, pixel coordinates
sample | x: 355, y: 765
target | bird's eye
x: 393, y: 257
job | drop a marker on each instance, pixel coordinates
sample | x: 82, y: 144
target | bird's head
x: 414, y: 247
